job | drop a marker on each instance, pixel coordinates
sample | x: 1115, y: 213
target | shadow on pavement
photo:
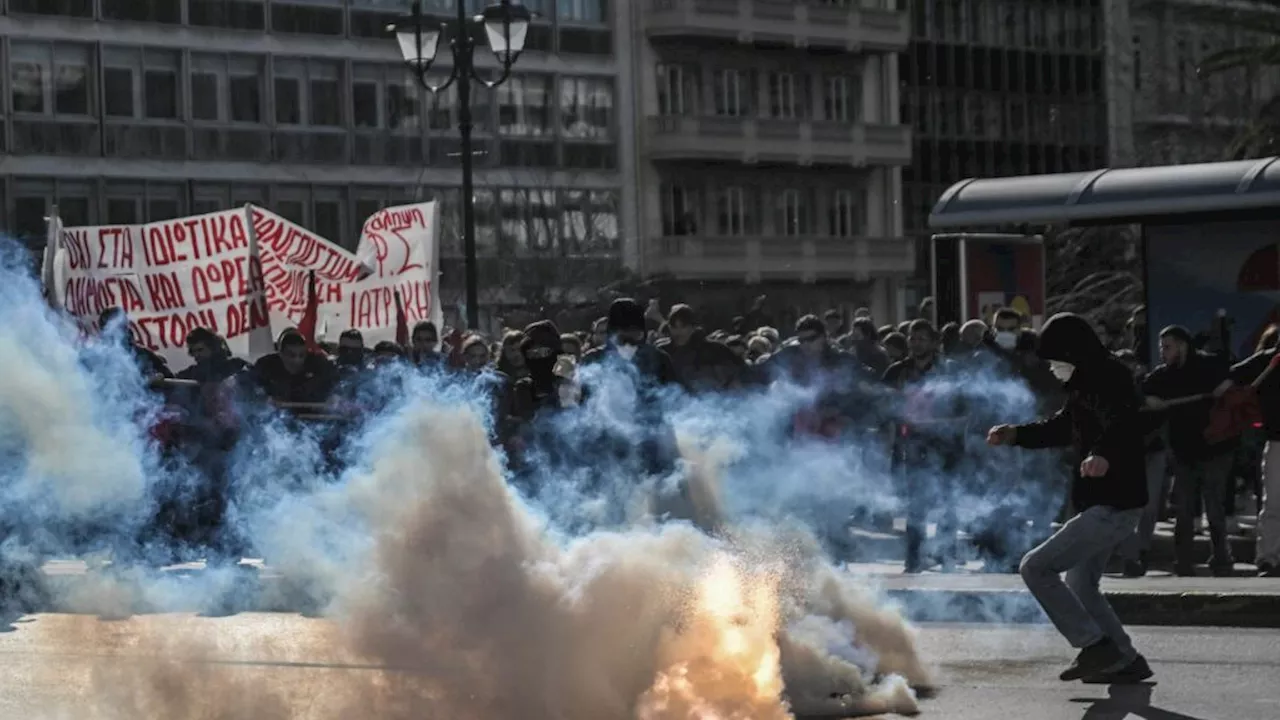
x: 1125, y: 700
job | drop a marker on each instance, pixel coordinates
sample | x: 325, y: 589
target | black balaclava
x: 625, y: 316
x: 540, y: 348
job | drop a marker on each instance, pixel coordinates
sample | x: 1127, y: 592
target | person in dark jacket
x: 1200, y: 470
x: 1101, y: 420
x: 1244, y: 373
x: 701, y: 364
x: 295, y: 375
x: 113, y: 324
x: 927, y: 435
x: 866, y: 346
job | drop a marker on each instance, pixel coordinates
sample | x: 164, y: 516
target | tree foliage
x: 1095, y: 272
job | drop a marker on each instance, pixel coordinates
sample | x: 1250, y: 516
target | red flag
x: 402, y: 323
x: 309, y: 316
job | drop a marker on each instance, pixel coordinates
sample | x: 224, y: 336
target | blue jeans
x: 1081, y: 549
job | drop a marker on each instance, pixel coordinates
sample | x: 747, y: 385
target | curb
x: 1193, y: 609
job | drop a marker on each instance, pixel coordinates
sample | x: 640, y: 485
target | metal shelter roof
x: 1102, y: 195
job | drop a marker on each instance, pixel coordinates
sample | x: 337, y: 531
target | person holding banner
x: 294, y: 376
x: 113, y: 326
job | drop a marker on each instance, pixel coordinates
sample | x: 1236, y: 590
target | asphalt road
x: 991, y: 672
x: 286, y: 667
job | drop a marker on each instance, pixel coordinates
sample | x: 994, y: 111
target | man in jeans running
x: 1100, y: 419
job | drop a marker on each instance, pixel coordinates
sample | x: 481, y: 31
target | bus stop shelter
x: 1210, y: 232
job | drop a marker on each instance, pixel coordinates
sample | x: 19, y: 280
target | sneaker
x: 1099, y: 658
x: 1134, y: 672
x: 1268, y: 571
x: 1135, y: 568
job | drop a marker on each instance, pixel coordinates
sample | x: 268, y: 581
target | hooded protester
x: 700, y: 363
x: 1100, y: 419
x: 113, y: 325
x: 540, y: 348
x: 627, y: 341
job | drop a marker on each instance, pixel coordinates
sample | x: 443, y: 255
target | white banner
x: 244, y: 275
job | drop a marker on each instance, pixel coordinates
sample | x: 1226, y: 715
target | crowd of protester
x: 855, y: 363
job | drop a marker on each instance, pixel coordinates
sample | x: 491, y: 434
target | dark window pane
x: 590, y: 156
x: 373, y: 24
x: 162, y: 94
x: 162, y: 209
x: 291, y: 210
x: 29, y: 81
x: 29, y: 216
x: 74, y: 211
x: 364, y: 105
x: 586, y: 42
x: 328, y: 222
x: 235, y: 14
x: 306, y: 19
x: 204, y: 96
x: 402, y: 107
x: 117, y: 92
x: 62, y: 8
x: 246, y: 99
x: 158, y: 11
x: 325, y: 103
x: 71, y: 92
x: 288, y: 102
x: 122, y: 211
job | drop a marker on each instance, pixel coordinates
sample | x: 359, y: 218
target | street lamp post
x: 506, y: 26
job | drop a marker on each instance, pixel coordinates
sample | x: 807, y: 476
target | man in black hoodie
x: 1101, y: 420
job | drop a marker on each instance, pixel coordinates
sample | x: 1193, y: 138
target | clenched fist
x: 1002, y: 435
x: 1094, y: 467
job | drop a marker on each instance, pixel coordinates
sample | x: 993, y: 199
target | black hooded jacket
x: 1100, y: 417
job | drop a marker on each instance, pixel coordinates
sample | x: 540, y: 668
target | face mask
x: 568, y: 394
x: 1061, y: 370
x: 627, y: 351
x: 1007, y: 340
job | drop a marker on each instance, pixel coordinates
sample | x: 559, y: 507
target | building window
x: 442, y: 109
x: 680, y: 211
x: 792, y: 218
x: 140, y: 83
x: 586, y: 107
x: 843, y: 217
x: 677, y: 89
x: 60, y: 8
x: 308, y: 17
x: 307, y: 93
x: 529, y: 219
x: 785, y: 98
x: 838, y: 100
x: 227, y: 88
x: 731, y: 98
x: 326, y: 210
x: 51, y: 79
x: 233, y: 14
x: 524, y: 106
x: 589, y: 221
x: 731, y: 212
x: 581, y: 11
x: 154, y: 11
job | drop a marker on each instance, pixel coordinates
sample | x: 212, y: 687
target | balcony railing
x: 781, y: 22
x: 146, y: 141
x: 56, y: 136
x: 802, y: 142
x: 755, y: 258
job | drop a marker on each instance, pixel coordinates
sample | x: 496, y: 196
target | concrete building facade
x: 726, y: 148
x: 770, y: 150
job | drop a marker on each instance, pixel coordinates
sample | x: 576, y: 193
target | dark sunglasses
x: 539, y: 353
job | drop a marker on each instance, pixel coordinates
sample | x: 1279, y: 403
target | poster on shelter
x: 244, y: 274
x: 1000, y: 273
x: 1195, y: 270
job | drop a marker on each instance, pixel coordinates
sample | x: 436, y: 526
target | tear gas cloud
x: 577, y: 586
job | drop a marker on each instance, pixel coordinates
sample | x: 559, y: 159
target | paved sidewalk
x: 1158, y: 599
